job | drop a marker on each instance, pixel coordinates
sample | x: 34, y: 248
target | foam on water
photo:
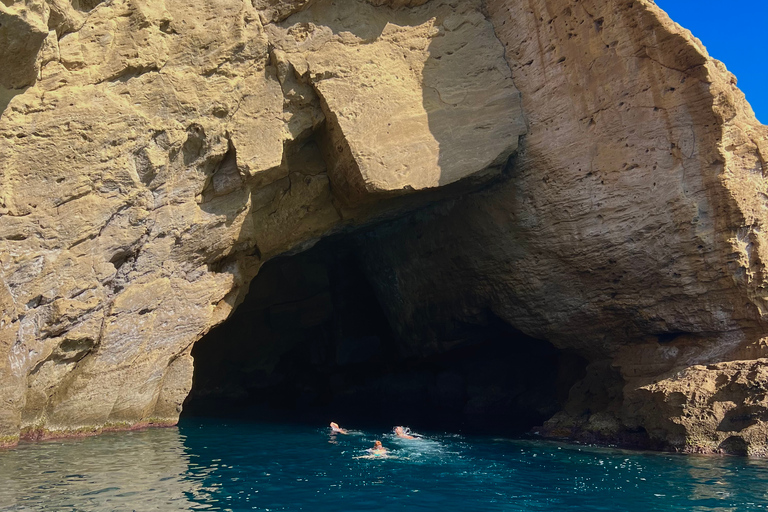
x: 422, y: 450
x: 217, y: 465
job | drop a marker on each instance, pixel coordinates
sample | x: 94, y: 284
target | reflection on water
x: 145, y: 470
x: 206, y: 465
x: 713, y: 486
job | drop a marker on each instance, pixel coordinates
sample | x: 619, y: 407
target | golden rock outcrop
x: 155, y: 154
x: 630, y: 232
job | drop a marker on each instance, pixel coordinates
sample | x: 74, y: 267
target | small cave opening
x: 312, y: 343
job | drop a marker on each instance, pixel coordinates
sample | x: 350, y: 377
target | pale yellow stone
x: 410, y: 95
x: 162, y: 151
x: 155, y: 154
x: 630, y: 232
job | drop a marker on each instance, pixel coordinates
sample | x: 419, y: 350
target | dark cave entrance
x: 311, y: 343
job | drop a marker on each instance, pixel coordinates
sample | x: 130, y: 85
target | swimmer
x: 378, y: 449
x: 404, y: 433
x: 336, y: 429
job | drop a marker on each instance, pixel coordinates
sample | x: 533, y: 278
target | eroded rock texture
x: 163, y: 150
x: 155, y: 154
x: 631, y: 230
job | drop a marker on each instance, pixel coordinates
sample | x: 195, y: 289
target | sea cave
x: 312, y: 342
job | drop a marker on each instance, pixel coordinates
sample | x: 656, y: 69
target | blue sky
x: 735, y: 32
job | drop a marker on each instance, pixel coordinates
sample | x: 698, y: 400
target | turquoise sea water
x: 233, y: 465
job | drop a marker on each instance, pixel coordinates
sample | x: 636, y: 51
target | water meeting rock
x: 585, y: 173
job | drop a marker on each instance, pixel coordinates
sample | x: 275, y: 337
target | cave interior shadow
x: 311, y: 344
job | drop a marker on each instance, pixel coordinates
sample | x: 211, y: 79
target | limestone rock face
x: 155, y: 154
x: 23, y: 29
x: 394, y: 110
x: 631, y: 230
x: 28, y: 33
x: 163, y: 150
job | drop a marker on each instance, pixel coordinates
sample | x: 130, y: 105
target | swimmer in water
x: 404, y: 433
x: 378, y: 449
x: 336, y: 429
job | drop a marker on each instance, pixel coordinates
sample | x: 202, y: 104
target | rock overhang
x: 410, y: 96
x: 163, y: 153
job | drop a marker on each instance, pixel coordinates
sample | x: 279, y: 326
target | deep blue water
x: 231, y: 465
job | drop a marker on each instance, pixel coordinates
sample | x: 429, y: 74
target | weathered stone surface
x: 398, y: 3
x: 161, y: 153
x: 23, y: 28
x: 426, y: 120
x: 29, y: 31
x: 277, y: 10
x: 631, y: 230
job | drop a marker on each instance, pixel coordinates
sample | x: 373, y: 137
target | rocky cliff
x: 582, y: 171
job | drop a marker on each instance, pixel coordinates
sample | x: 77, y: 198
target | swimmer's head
x: 334, y: 425
x: 377, y: 444
x: 399, y: 430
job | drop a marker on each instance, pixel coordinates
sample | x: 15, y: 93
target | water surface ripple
x: 232, y: 465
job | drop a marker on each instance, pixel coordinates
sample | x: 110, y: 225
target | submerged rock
x: 156, y: 154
